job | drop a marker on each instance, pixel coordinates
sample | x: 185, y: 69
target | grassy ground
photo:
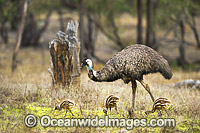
x: 28, y: 91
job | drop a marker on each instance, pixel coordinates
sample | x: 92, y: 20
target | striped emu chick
x: 111, y: 102
x: 67, y: 105
x: 160, y: 104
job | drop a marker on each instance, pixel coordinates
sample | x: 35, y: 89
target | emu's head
x: 87, y: 62
x: 105, y: 111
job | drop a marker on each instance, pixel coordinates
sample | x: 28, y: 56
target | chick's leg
x: 65, y: 112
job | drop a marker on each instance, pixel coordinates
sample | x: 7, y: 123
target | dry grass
x: 28, y: 90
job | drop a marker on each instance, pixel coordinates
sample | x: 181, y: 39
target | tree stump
x: 64, y: 51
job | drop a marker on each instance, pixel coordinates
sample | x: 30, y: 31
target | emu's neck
x: 89, y: 68
x: 92, y: 74
x: 104, y: 75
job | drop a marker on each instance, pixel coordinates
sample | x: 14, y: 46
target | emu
x: 67, y: 105
x: 160, y: 104
x: 111, y: 102
x: 130, y: 65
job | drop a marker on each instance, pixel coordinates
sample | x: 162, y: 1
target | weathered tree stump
x: 64, y: 51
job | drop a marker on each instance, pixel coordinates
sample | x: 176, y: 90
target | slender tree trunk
x: 81, y: 30
x: 3, y: 27
x: 91, y: 36
x: 151, y: 6
x: 4, y: 32
x: 182, y: 60
x: 154, y: 11
x: 148, y: 22
x: 194, y: 29
x: 19, y: 35
x: 139, y: 23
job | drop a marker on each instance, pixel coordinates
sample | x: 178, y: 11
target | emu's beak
x: 82, y: 65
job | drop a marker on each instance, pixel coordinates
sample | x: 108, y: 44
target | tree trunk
x: 61, y: 20
x: 91, y: 36
x: 194, y: 29
x: 3, y: 27
x: 17, y: 16
x: 32, y: 32
x: 139, y: 23
x: 182, y: 60
x: 19, y: 36
x: 81, y: 30
x: 151, y: 6
x: 64, y: 52
x: 148, y: 22
x: 4, y: 32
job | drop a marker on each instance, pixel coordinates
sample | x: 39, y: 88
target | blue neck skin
x: 89, y: 68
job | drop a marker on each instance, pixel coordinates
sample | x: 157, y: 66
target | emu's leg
x: 116, y: 109
x: 166, y: 111
x: 65, y: 113
x: 146, y: 86
x: 71, y: 112
x: 134, y: 86
x: 159, y: 113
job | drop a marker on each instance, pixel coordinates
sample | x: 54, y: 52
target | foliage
x: 170, y: 10
x: 7, y: 9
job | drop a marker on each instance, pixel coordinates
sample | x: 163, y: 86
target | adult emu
x: 130, y: 65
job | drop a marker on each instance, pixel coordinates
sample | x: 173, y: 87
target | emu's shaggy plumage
x: 130, y: 65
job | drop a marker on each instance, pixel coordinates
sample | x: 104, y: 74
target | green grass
x: 12, y: 119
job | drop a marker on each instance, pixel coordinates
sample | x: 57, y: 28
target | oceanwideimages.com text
x: 130, y: 123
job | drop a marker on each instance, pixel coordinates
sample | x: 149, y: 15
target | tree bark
x: 182, y: 60
x: 139, y: 21
x: 19, y: 36
x: 64, y: 52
